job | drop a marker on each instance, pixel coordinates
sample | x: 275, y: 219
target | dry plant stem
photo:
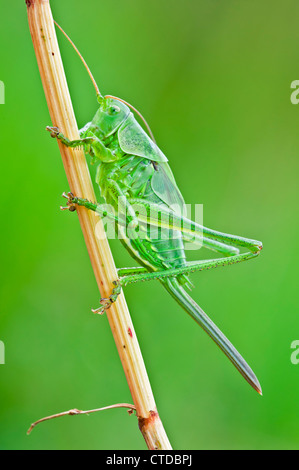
x: 74, y: 412
x: 62, y: 115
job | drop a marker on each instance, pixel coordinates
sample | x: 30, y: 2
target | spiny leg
x: 208, y: 243
x: 166, y: 218
x: 123, y: 272
x: 191, y: 267
x: 212, y: 239
x: 143, y: 275
x: 191, y: 231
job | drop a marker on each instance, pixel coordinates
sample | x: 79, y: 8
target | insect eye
x: 113, y: 110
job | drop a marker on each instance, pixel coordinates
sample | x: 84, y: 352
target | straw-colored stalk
x: 62, y: 115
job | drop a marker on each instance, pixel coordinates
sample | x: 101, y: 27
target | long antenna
x: 97, y: 88
x: 81, y: 57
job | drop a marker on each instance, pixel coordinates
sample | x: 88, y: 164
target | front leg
x: 55, y: 133
x: 91, y: 141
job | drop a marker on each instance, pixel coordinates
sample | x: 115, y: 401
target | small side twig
x: 74, y: 412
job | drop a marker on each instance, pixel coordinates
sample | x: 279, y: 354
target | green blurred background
x: 213, y: 80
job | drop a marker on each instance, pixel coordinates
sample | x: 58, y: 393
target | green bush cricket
x: 133, y: 172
